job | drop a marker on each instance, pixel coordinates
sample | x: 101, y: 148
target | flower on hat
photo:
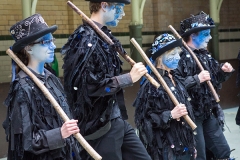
x: 196, y: 23
x: 210, y: 20
x: 162, y: 41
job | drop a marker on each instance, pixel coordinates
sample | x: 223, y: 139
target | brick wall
x: 158, y: 14
x: 10, y: 12
x: 229, y: 29
x: 229, y: 14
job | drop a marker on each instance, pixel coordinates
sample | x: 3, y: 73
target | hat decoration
x: 116, y: 1
x: 196, y: 23
x: 164, y: 43
x: 29, y: 30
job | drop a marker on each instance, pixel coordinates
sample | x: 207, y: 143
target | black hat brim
x: 177, y: 43
x: 196, y: 29
x: 118, y: 1
x: 20, y: 44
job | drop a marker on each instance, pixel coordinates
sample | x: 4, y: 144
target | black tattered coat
x: 32, y: 124
x: 153, y: 107
x: 202, y: 99
x: 92, y: 78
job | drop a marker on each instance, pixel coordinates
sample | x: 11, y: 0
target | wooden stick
x: 197, y: 61
x: 54, y: 103
x: 109, y: 41
x: 163, y: 83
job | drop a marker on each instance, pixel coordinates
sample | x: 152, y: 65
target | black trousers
x: 210, y: 135
x: 119, y: 143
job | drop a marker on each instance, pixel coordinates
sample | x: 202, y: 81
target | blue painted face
x: 171, y: 58
x: 201, y: 40
x: 115, y: 12
x: 43, y: 49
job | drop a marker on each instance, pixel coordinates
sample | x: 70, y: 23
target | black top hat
x: 29, y: 30
x: 163, y: 43
x: 117, y: 1
x: 196, y: 23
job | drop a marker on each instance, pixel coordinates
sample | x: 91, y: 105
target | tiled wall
x: 229, y: 43
x: 158, y: 14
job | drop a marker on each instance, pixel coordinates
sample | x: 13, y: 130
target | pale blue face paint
x: 201, y: 40
x: 118, y: 14
x: 171, y: 59
x: 43, y: 49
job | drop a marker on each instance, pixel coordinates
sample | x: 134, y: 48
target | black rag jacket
x: 152, y: 117
x: 92, y: 78
x: 202, y: 99
x: 32, y: 125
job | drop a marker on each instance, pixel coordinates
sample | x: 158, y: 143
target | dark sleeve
x: 160, y: 120
x: 223, y: 76
x: 159, y: 111
x: 44, y: 141
x: 107, y: 86
x: 184, y: 72
x: 191, y: 82
x: 218, y: 76
x: 34, y: 139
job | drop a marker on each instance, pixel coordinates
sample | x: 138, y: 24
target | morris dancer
x: 95, y: 87
x: 163, y: 132
x: 208, y: 113
x: 34, y: 129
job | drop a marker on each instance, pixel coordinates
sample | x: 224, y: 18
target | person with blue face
x: 94, y: 84
x: 208, y: 113
x: 162, y: 130
x: 44, y: 45
x: 33, y: 127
